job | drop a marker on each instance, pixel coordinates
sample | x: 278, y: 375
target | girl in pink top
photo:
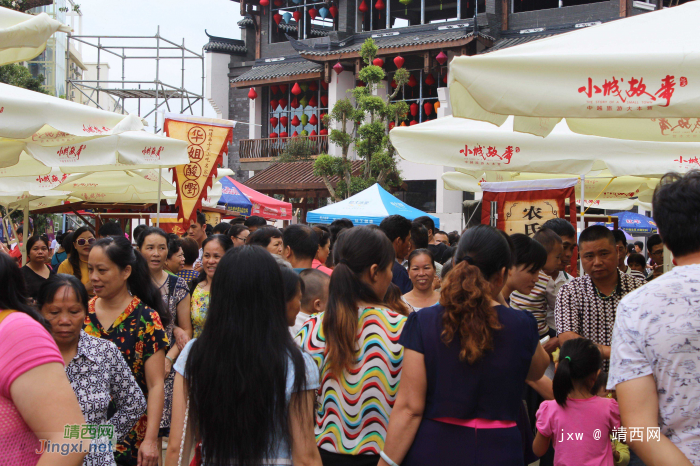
x: 578, y: 422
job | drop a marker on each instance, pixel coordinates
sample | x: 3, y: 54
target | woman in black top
x: 36, y: 271
x: 465, y: 365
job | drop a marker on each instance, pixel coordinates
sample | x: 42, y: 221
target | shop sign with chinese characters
x: 207, y: 145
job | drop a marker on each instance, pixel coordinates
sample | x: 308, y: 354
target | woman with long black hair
x: 251, y: 390
x: 355, y: 345
x: 128, y: 310
x: 465, y: 366
x: 36, y: 271
x: 77, y: 262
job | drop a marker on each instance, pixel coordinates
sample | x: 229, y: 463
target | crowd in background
x: 241, y: 343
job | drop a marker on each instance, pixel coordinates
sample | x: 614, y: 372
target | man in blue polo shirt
x: 398, y: 230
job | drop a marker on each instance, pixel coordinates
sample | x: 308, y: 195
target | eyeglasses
x: 241, y: 239
x: 83, y: 241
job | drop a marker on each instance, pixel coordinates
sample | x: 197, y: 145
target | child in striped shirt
x: 536, y: 301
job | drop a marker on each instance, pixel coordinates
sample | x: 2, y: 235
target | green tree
x: 366, y: 124
x: 17, y: 75
x: 24, y: 5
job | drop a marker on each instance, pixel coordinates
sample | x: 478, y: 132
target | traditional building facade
x: 316, y: 45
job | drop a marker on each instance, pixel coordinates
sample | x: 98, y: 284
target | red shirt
x: 316, y: 264
x: 16, y: 254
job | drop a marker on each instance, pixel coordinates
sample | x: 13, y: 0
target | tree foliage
x: 17, y: 75
x: 366, y: 125
x: 24, y: 5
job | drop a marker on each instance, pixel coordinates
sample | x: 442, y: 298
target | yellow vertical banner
x: 207, y: 145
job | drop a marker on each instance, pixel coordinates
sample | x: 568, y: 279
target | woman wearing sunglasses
x: 76, y: 264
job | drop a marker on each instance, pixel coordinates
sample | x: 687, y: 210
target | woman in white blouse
x: 95, y: 367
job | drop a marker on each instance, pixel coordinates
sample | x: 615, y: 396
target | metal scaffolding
x: 162, y: 92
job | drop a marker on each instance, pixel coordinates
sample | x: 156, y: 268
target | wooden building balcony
x: 268, y: 149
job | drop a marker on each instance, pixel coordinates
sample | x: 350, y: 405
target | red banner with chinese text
x: 207, y: 146
x: 526, y: 211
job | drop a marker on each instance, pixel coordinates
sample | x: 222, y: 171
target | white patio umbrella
x: 615, y: 79
x: 23, y: 36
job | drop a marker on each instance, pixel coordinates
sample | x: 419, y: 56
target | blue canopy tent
x: 368, y: 207
x: 636, y: 224
x: 233, y: 199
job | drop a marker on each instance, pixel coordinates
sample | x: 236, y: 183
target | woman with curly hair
x: 465, y: 365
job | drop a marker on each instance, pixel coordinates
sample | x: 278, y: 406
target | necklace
x: 164, y: 282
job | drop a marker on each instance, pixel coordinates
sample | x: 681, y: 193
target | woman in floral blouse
x: 213, y: 249
x: 154, y: 246
x: 128, y: 310
x: 96, y: 369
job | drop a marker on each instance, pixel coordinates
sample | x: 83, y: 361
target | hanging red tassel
x: 364, y: 9
x: 379, y: 6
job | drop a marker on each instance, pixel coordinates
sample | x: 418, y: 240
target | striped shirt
x: 353, y: 412
x: 535, y: 302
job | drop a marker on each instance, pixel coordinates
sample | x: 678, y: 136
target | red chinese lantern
x: 295, y: 103
x: 379, y: 6
x: 364, y: 9
x: 313, y: 134
x: 296, y: 121
x: 413, y: 122
x: 264, y: 3
x: 313, y: 101
x: 284, y: 134
x: 444, y: 79
x: 274, y: 103
x: 296, y: 15
x: 429, y: 81
x: 391, y: 125
x: 252, y: 95
x: 333, y: 10
x: 313, y: 12
x: 338, y: 68
x: 296, y: 89
x: 295, y: 134
x: 283, y: 103
x: 274, y: 89
x: 273, y: 121
x: 428, y: 107
x: 283, y: 88
x: 441, y: 58
x: 273, y: 135
x: 284, y: 120
x: 313, y: 86
x: 393, y: 84
x: 313, y: 120
x: 360, y: 84
x: 398, y: 61
x: 412, y: 81
x: 277, y: 17
x: 324, y: 85
x: 414, y: 109
x: 323, y: 132
x: 378, y: 61
x: 320, y: 118
x: 324, y: 100
x: 278, y: 3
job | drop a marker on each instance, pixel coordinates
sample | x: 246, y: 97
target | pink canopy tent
x: 264, y: 206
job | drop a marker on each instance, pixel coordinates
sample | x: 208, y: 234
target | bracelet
x: 387, y: 459
x: 170, y: 359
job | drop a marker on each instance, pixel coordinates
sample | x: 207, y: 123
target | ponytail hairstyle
x: 74, y: 257
x: 579, y: 359
x: 120, y: 251
x: 356, y: 250
x: 482, y: 252
x: 226, y: 244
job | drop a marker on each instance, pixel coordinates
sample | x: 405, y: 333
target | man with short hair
x: 586, y: 306
x: 197, y: 231
x: 300, y: 246
x: 109, y: 229
x: 398, y: 230
x: 254, y: 222
x: 439, y: 250
x: 655, y: 246
x: 621, y: 246
x: 441, y: 237
x: 656, y: 341
x: 222, y: 228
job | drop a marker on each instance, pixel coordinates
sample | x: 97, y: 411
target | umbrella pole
x: 583, y: 211
x: 25, y: 231
x: 160, y: 176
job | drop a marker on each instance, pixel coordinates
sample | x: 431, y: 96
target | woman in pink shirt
x: 577, y: 421
x: 36, y: 399
x: 324, y: 248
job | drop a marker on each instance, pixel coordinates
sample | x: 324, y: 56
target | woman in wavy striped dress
x: 355, y: 345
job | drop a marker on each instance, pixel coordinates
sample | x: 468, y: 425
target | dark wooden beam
x: 327, y: 72
x: 279, y: 79
x: 426, y: 62
x: 505, y: 10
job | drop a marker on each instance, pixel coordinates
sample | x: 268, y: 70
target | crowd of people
x: 355, y: 345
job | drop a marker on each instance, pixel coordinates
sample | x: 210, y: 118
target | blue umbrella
x: 636, y: 223
x: 233, y: 199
